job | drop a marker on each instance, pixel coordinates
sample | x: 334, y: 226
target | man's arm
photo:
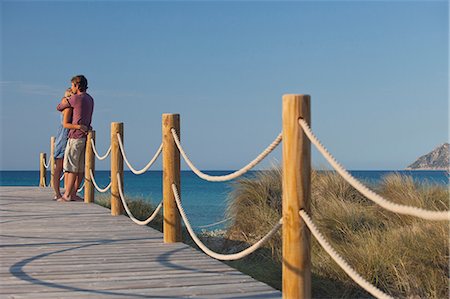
x: 68, y: 125
x: 64, y: 104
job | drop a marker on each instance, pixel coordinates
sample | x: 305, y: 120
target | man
x: 81, y: 105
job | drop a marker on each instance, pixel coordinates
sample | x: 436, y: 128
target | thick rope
x: 81, y: 188
x: 340, y: 261
x: 46, y: 165
x: 96, y: 153
x: 215, y: 223
x: 96, y: 186
x: 393, y: 207
x: 137, y: 221
x: 158, y: 152
x: 230, y: 176
x: 219, y: 256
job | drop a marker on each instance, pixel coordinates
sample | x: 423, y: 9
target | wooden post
x: 116, y: 167
x: 89, y: 165
x: 296, y: 196
x: 171, y: 174
x: 52, y: 160
x: 42, y: 170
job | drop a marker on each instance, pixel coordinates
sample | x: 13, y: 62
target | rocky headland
x: 437, y: 159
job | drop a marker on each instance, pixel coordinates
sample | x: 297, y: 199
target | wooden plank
x: 76, y: 250
x: 175, y: 292
x: 122, y: 283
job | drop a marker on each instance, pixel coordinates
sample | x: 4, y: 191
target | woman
x: 60, y: 146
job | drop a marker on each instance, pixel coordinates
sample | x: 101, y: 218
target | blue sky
x: 377, y: 73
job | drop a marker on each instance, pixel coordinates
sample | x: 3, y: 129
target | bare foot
x: 56, y: 197
x: 62, y: 199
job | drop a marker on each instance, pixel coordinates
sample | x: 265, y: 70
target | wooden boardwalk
x: 78, y: 250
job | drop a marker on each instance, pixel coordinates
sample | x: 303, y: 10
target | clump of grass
x: 140, y: 208
x: 255, y: 206
x: 402, y: 255
x: 103, y: 200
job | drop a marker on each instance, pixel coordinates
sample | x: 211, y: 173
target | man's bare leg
x: 78, y: 181
x: 70, y: 184
x: 75, y: 187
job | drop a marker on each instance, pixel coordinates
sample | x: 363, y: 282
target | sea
x: 204, y: 202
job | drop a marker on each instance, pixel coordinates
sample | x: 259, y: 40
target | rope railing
x: 96, y: 153
x: 393, y: 207
x: 125, y: 205
x: 215, y: 223
x: 230, y: 176
x: 219, y: 256
x: 96, y: 186
x: 340, y: 261
x: 296, y: 174
x: 81, y: 188
x: 137, y: 172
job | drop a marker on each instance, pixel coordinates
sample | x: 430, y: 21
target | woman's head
x: 68, y: 92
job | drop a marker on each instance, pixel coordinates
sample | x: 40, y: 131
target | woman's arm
x: 67, y: 115
x: 64, y: 104
x: 67, y: 121
x: 65, y: 100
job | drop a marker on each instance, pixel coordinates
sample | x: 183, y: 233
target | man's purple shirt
x: 83, y: 106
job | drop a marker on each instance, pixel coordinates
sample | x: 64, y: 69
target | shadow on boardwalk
x: 52, y: 250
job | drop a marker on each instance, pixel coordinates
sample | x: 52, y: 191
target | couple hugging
x: 76, y: 107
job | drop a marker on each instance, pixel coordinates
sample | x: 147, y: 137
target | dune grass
x: 404, y: 256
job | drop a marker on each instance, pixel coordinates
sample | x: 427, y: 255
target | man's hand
x: 84, y: 128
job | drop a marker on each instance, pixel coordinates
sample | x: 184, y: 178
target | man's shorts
x: 74, y: 155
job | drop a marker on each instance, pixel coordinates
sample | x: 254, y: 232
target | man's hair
x: 81, y: 81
